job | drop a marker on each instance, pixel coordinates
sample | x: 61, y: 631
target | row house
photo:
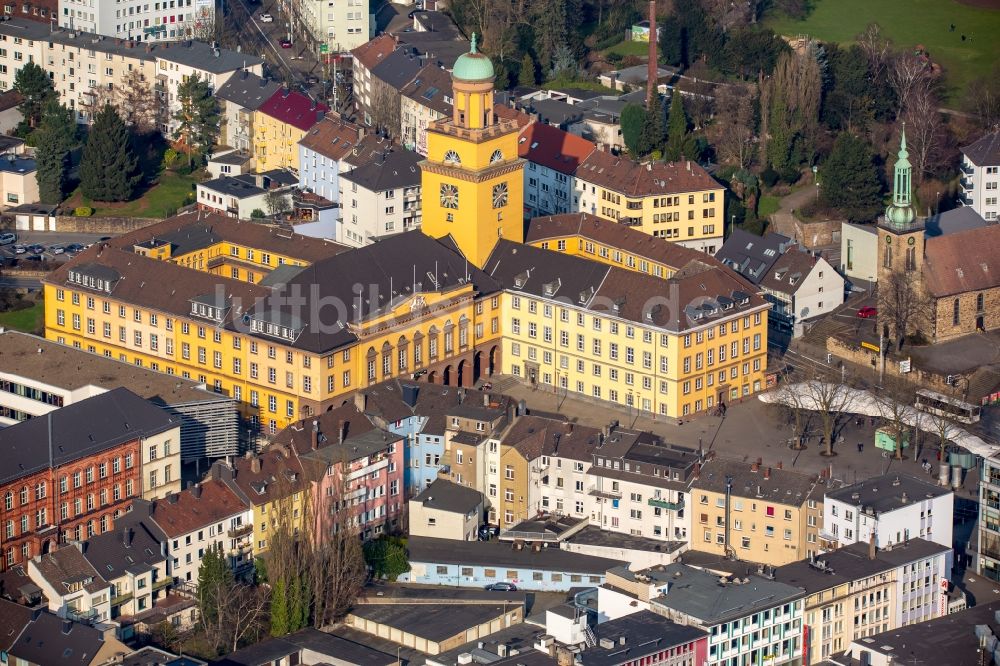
x: 422, y: 101
x: 239, y: 99
x: 278, y: 126
x: 72, y: 473
x: 138, y: 20
x: 364, y: 59
x: 322, y: 153
x: 552, y: 156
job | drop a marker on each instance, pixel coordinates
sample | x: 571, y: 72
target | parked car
x: 57, y: 249
x: 867, y: 312
x: 74, y: 248
x: 266, y: 18
x: 502, y: 587
x: 7, y: 239
x: 37, y: 249
x: 286, y: 44
x: 20, y: 249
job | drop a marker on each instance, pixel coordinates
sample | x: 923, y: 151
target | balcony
x: 369, y: 469
x: 604, y: 494
x: 967, y: 169
x: 237, y: 532
x: 162, y: 583
x: 120, y: 599
x: 87, y: 616
x: 664, y: 504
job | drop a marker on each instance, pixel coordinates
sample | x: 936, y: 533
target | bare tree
x: 982, y: 99
x: 241, y: 612
x: 905, y: 72
x: 925, y: 130
x: 902, y: 306
x: 277, y: 202
x: 877, y: 49
x: 735, y: 125
x: 95, y: 99
x: 894, y: 403
x: 831, y: 399
x: 137, y: 102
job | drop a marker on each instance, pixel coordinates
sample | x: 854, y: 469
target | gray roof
x: 232, y: 157
x: 520, y: 637
x: 132, y: 548
x: 233, y: 186
x: 783, y: 486
x: 389, y: 400
x: 851, y: 563
x: 750, y: 255
x: 397, y: 168
x: 555, y: 112
x: 49, y: 640
x: 68, y: 565
x: 79, y: 430
x: 985, y: 151
x: 399, y: 67
x: 247, y: 90
x: 962, y: 218
x: 202, y: 56
x: 699, y: 595
x: 430, y: 88
x: 341, y: 649
x: 434, y: 622
x: 636, y: 636
x: 152, y: 656
x: 14, y: 164
x: 495, y: 553
x: 887, y: 492
x: 443, y: 495
x: 593, y: 535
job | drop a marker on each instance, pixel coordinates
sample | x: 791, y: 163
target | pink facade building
x: 356, y: 471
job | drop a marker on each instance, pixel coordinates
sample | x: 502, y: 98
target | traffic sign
x: 323, y: 48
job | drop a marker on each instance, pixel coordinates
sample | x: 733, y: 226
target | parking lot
x: 44, y: 244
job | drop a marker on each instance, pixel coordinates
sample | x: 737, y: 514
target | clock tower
x: 472, y: 179
x: 901, y: 234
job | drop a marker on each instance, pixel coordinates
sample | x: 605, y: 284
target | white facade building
x: 893, y: 508
x: 981, y: 176
x: 341, y: 25
x: 139, y: 19
x: 801, y: 286
x: 382, y: 197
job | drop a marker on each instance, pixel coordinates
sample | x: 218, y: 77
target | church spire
x: 900, y: 213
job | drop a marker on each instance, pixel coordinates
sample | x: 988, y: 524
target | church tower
x: 900, y: 234
x: 472, y: 179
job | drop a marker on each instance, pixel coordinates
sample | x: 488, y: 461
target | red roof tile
x: 333, y: 137
x: 964, y: 261
x: 182, y: 513
x: 553, y: 148
x: 371, y: 53
x: 294, y: 108
x: 632, y: 179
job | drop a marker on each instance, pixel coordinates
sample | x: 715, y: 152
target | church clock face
x: 911, y: 240
x: 449, y: 195
x: 496, y: 156
x: 500, y: 195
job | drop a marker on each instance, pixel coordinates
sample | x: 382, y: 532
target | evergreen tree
x: 55, y: 138
x: 633, y: 119
x: 198, y: 117
x: 215, y: 582
x: 550, y: 30
x: 294, y: 593
x: 305, y: 597
x: 680, y: 142
x: 279, y: 608
x: 652, y: 128
x: 849, y: 179
x: 526, y: 77
x: 563, y: 63
x: 35, y: 86
x: 109, y: 169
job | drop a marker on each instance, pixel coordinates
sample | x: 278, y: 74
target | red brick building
x: 67, y: 475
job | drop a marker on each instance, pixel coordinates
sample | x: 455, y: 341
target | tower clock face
x: 496, y: 156
x: 449, y: 195
x: 500, y: 195
x: 451, y: 157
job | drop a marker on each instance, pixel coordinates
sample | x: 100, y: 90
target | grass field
x: 767, y: 206
x: 908, y: 23
x: 630, y: 48
x: 170, y: 193
x: 29, y: 320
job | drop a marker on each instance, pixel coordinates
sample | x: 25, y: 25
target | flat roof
x: 636, y: 636
x: 520, y: 637
x: 592, y: 535
x: 434, y: 622
x: 503, y: 554
x: 887, y: 492
x: 70, y: 369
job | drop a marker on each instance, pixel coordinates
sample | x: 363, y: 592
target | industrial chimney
x: 651, y: 67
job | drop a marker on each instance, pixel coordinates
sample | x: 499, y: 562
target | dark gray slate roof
x: 325, y: 645
x: 399, y: 67
x: 397, y: 168
x: 443, y: 495
x: 502, y: 554
x: 125, y: 549
x: 885, y: 493
x: 50, y: 640
x: 636, y: 636
x: 750, y: 255
x: 962, y: 218
x: 79, y: 430
x: 247, y: 90
x: 202, y: 56
x: 985, y: 151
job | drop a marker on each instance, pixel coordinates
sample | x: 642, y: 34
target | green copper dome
x: 474, y: 66
x: 900, y: 213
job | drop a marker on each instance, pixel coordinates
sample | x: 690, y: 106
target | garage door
x: 21, y: 223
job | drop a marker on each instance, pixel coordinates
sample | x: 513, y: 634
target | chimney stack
x: 767, y: 473
x: 127, y: 537
x: 871, y: 546
x: 651, y: 67
x: 341, y: 426
x: 196, y: 491
x: 255, y: 465
x: 315, y: 436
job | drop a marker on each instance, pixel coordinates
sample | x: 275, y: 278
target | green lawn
x: 767, y: 206
x: 579, y: 84
x: 29, y: 320
x: 630, y: 48
x: 908, y: 23
x: 170, y: 193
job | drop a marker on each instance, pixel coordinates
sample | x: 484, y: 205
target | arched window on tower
x: 887, y: 257
x: 911, y: 259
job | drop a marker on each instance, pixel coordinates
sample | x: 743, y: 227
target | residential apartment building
x: 610, y: 334
x: 988, y: 536
x: 207, y: 515
x: 71, y: 585
x: 322, y: 153
x: 34, y: 382
x: 446, y: 510
x: 43, y: 11
x: 678, y: 201
x: 39, y: 639
x: 637, y: 485
x: 355, y: 470
x: 71, y: 474
x: 364, y: 59
x: 756, y: 513
x: 642, y: 636
x: 552, y: 156
x: 382, y: 197
x: 239, y: 98
x: 278, y: 126
x: 140, y: 21
x: 248, y: 195
x: 980, y: 180
x: 750, y: 619
x: 423, y: 100
x: 893, y: 507
x: 859, y: 591
x: 339, y: 26
x: 472, y: 445
x: 86, y: 68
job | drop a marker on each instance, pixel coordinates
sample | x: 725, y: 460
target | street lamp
x: 816, y: 180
